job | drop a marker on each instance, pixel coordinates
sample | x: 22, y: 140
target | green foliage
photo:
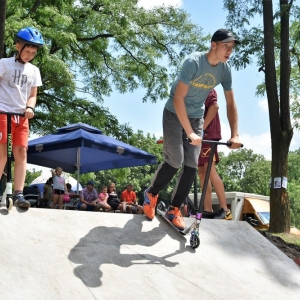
x: 238, y: 168
x: 294, y: 195
x: 256, y: 178
x: 31, y: 175
x: 84, y: 178
x: 294, y: 166
x: 241, y: 13
x: 294, y: 186
x: 95, y: 47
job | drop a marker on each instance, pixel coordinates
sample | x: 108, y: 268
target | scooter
x: 197, y: 214
x: 6, y: 199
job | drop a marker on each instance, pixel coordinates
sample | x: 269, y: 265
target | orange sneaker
x: 149, y: 204
x: 174, y: 215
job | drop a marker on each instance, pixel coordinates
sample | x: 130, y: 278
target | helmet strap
x: 18, y: 56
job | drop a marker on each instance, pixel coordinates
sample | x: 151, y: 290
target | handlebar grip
x: 228, y: 143
x: 12, y: 113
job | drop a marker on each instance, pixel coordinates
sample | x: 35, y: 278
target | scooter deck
x: 182, y: 232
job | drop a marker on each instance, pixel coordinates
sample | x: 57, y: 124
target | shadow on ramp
x: 102, y: 245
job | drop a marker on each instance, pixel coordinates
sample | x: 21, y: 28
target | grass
x: 289, y: 238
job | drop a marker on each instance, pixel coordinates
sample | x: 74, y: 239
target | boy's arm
x: 31, y: 102
x: 123, y: 198
x: 179, y: 105
x: 134, y: 199
x: 211, y: 113
x: 232, y: 116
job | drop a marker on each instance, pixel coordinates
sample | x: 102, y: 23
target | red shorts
x: 205, y: 153
x: 19, y: 130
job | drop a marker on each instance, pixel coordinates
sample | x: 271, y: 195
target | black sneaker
x: 208, y: 214
x: 19, y: 201
x: 222, y: 214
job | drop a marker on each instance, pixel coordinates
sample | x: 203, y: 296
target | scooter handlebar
x: 228, y: 143
x: 12, y: 113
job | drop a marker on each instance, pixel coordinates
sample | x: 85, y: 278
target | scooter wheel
x: 194, y: 241
x: 9, y: 203
x: 161, y: 206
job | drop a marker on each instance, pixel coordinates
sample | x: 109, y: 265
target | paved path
x: 52, y: 254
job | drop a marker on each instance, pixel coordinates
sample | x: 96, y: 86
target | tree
x: 2, y: 25
x: 31, y: 175
x: 276, y: 49
x: 244, y: 171
x: 93, y: 47
x: 256, y: 178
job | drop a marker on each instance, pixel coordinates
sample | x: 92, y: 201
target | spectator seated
x: 31, y: 194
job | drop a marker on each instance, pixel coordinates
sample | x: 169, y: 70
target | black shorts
x: 114, y: 204
x: 59, y: 192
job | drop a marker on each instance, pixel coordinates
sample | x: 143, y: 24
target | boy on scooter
x: 19, y: 80
x: 183, y: 121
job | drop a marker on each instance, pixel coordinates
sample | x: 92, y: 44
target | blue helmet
x: 31, y: 36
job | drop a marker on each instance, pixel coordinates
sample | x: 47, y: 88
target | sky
x: 252, y: 110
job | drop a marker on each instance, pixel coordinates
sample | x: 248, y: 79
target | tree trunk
x: 279, y: 113
x: 2, y: 26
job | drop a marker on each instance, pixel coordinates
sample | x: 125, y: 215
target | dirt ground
x: 291, y: 250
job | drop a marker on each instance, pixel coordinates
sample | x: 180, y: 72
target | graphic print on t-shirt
x: 19, y: 79
x: 206, y: 81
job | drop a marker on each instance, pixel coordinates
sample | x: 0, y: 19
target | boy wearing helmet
x: 19, y: 80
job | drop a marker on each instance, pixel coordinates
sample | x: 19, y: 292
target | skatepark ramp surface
x: 61, y: 254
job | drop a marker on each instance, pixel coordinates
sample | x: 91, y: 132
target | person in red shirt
x: 212, y: 131
x: 129, y: 196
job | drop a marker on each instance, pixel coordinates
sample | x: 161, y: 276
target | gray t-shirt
x: 16, y: 81
x: 201, y: 78
x: 58, y: 182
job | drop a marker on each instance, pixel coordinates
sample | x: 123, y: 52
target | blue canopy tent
x: 83, y: 148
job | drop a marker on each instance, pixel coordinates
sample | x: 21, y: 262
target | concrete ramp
x: 53, y: 254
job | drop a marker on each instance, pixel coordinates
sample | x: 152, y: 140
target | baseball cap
x: 91, y: 182
x: 223, y: 35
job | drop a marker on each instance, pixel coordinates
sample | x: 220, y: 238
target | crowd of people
x: 57, y: 192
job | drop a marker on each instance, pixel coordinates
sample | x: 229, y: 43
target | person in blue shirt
x: 183, y: 122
